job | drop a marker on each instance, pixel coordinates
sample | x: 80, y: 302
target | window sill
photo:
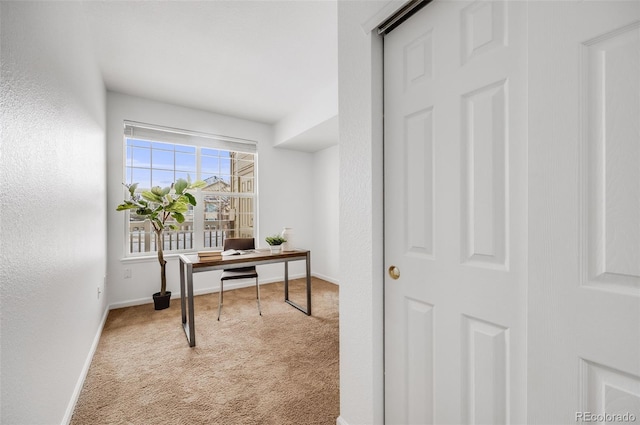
x: 154, y: 257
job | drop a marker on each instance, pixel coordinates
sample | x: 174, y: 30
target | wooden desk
x: 191, y: 263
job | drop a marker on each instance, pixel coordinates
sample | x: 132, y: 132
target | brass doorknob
x: 394, y: 272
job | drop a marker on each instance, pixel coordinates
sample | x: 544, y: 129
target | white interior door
x: 455, y: 205
x: 584, y: 212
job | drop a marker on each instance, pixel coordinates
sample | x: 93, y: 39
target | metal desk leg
x: 183, y: 294
x: 189, y: 327
x: 306, y: 311
x: 192, y: 319
x: 308, y: 283
x: 286, y: 281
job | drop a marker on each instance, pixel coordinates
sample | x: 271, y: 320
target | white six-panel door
x: 512, y: 213
x: 455, y: 225
x: 584, y: 212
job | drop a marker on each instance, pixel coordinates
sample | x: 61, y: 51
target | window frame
x: 200, y: 141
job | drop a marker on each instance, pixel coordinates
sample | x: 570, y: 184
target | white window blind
x: 186, y: 137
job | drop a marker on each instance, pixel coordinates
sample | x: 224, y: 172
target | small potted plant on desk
x: 275, y: 243
x: 163, y: 208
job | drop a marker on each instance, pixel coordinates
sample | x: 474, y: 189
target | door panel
x: 584, y: 267
x: 512, y: 210
x: 455, y: 177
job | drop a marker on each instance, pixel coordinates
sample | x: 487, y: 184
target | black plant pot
x: 162, y: 302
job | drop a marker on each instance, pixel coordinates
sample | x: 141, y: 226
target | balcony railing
x: 143, y: 239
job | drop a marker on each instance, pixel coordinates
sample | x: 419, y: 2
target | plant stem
x: 162, y: 261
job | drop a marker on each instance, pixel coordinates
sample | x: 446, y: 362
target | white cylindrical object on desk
x: 287, y: 233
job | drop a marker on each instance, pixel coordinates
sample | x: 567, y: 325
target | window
x: 226, y: 206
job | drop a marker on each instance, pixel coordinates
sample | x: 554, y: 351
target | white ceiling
x: 258, y: 60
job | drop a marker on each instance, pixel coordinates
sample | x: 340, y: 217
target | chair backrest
x: 239, y: 243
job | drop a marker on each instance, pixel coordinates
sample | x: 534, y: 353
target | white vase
x: 287, y: 233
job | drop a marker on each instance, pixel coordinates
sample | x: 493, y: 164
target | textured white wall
x: 53, y: 210
x: 285, y: 198
x: 361, y: 212
x: 326, y: 233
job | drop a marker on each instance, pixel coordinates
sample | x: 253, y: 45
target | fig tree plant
x: 163, y: 207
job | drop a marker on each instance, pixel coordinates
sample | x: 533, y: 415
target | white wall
x: 53, y: 210
x: 361, y: 210
x: 326, y: 233
x: 322, y: 107
x: 285, y: 198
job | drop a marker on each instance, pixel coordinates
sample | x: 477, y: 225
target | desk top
x: 263, y: 255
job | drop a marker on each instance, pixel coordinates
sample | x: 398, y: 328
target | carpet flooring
x: 278, y: 368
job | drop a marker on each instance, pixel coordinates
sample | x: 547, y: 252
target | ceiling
x: 257, y: 60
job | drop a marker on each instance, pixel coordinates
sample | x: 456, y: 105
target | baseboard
x: 85, y: 370
x: 327, y: 278
x: 341, y: 421
x: 132, y: 303
x: 240, y: 283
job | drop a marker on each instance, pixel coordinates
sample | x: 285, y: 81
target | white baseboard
x: 240, y: 283
x: 131, y: 303
x: 85, y: 370
x: 327, y: 278
x: 341, y: 421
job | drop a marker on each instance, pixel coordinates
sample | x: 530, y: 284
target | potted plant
x: 275, y: 243
x: 162, y: 207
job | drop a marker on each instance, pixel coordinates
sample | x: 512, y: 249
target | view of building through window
x: 226, y: 205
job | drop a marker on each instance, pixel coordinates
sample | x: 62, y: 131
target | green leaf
x: 166, y: 190
x: 174, y: 227
x: 151, y: 196
x: 180, y: 186
x: 190, y: 198
x: 177, y: 206
x: 178, y: 217
x: 127, y: 205
x: 132, y: 188
x: 157, y: 190
x: 158, y: 223
x: 197, y: 184
x: 144, y: 212
x: 275, y: 240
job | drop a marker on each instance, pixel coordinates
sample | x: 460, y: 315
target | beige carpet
x: 281, y: 368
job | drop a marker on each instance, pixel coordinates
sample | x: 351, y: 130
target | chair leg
x: 220, y: 300
x: 258, y: 296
